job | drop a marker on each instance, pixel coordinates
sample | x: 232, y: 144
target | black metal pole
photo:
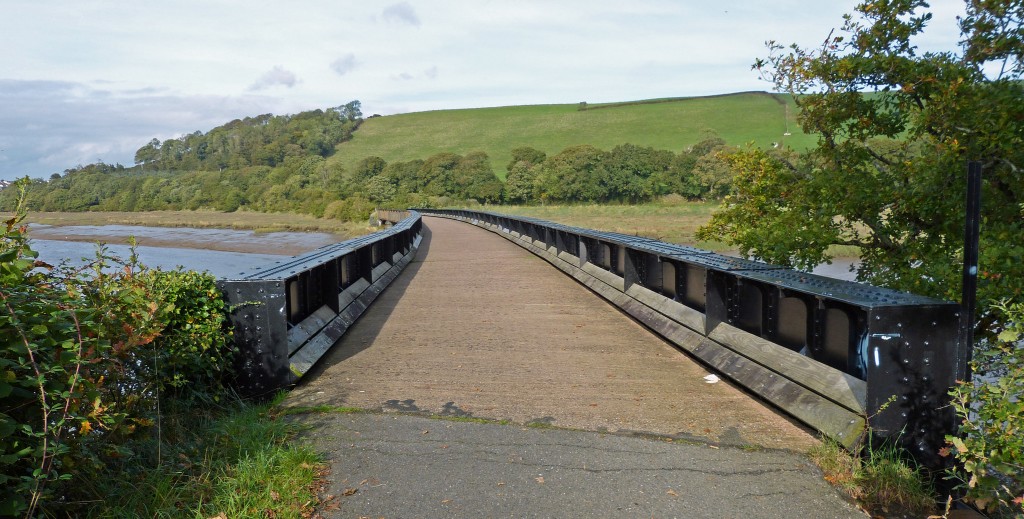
x: 970, y: 283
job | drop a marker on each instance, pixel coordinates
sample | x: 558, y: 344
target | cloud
x: 344, y: 64
x: 50, y: 126
x: 275, y: 76
x: 401, y: 12
x: 430, y: 73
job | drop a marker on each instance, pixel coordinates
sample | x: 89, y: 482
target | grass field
x: 670, y: 222
x: 756, y: 117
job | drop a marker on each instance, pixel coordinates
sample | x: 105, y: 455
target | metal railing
x: 286, y: 315
x: 835, y: 354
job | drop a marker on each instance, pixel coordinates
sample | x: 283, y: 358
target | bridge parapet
x: 835, y: 354
x: 287, y: 314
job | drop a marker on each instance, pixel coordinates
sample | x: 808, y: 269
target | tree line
x: 280, y: 164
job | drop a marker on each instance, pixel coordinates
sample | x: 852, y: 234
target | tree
x: 525, y: 154
x: 437, y: 174
x: 368, y: 168
x: 630, y: 169
x: 713, y: 173
x: 148, y: 153
x: 352, y: 110
x: 520, y: 183
x: 475, y: 179
x: 896, y: 128
x: 381, y: 189
x: 574, y: 175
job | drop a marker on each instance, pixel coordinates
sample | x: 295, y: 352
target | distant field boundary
x: 586, y: 107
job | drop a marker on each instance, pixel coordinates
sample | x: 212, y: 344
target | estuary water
x: 221, y: 264
x: 224, y: 253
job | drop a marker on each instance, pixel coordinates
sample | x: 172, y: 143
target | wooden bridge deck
x: 504, y: 335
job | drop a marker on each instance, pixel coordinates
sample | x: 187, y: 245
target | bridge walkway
x: 478, y: 327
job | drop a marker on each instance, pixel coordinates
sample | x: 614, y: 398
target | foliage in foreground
x: 888, y: 172
x: 228, y: 460
x: 880, y: 479
x: 888, y: 176
x: 87, y: 359
x: 990, y: 448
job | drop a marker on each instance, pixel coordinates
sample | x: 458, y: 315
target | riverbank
x: 249, y: 232
x: 247, y: 220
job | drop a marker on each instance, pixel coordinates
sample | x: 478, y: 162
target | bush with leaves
x: 990, y: 447
x: 86, y: 358
x: 49, y: 395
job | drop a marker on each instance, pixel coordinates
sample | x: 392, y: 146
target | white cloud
x: 275, y: 76
x: 50, y: 126
x: 344, y: 64
x: 401, y: 12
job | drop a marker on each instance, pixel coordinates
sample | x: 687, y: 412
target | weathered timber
x: 841, y: 423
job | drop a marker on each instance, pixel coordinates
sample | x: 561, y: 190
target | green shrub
x: 193, y: 352
x: 990, y: 444
x: 86, y: 357
x: 352, y: 209
x: 48, y: 393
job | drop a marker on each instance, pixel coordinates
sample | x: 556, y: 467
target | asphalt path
x: 402, y: 466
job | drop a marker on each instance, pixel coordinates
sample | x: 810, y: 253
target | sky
x: 83, y: 81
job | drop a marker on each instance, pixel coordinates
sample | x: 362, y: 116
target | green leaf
x: 1009, y: 336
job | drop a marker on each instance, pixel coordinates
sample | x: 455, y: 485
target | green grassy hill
x: 671, y: 124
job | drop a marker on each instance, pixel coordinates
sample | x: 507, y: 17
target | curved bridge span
x: 480, y: 325
x: 477, y: 326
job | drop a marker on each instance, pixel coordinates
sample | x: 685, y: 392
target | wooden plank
x: 379, y: 270
x: 570, y: 259
x: 309, y: 326
x: 673, y: 309
x: 844, y: 389
x: 303, y: 360
x: 349, y: 294
x: 836, y: 421
x: 610, y: 278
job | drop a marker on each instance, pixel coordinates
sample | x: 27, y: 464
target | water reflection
x: 839, y: 269
x: 221, y: 252
x: 219, y: 263
x: 288, y: 243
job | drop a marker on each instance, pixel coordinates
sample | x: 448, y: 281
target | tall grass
x: 881, y: 479
x: 231, y: 460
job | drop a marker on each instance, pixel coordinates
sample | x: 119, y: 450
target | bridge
x: 512, y: 318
